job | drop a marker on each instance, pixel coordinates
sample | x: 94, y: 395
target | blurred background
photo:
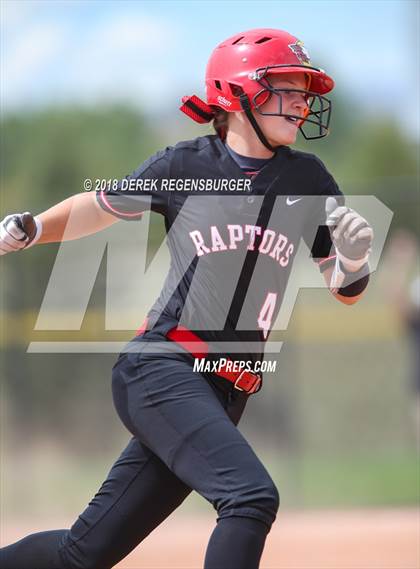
x: 91, y: 89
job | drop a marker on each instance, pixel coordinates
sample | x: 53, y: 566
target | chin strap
x: 201, y: 112
x: 247, y: 109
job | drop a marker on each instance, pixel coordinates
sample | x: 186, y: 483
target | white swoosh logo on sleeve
x: 291, y: 202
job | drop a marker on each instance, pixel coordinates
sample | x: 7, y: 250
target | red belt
x: 242, y: 380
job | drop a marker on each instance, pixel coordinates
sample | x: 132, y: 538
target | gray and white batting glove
x: 352, y: 236
x: 19, y: 231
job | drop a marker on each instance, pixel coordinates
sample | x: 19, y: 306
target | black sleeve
x: 139, y: 191
x: 315, y: 233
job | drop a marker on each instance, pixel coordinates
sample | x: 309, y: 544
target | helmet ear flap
x: 261, y: 98
x: 236, y: 90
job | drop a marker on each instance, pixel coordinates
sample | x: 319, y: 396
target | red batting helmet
x: 237, y: 78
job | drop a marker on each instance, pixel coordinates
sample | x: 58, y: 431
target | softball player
x: 261, y: 89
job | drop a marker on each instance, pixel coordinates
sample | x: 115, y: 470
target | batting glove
x: 352, y: 236
x: 19, y: 231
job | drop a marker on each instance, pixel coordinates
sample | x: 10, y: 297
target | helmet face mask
x: 317, y: 113
x: 320, y: 112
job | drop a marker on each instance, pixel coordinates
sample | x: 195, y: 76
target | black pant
x: 185, y: 437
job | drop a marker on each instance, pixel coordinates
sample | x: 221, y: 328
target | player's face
x: 281, y: 130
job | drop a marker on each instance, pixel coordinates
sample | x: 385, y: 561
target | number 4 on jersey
x: 266, y: 313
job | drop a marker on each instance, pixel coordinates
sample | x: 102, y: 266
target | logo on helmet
x: 301, y: 52
x: 223, y: 101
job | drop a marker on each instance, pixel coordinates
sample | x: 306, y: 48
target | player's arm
x: 84, y: 213
x: 352, y: 237
x: 76, y: 217
x: 87, y: 213
x: 352, y: 299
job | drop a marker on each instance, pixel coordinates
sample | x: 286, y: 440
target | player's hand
x: 352, y: 235
x: 18, y: 231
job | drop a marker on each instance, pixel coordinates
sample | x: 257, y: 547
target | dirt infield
x: 376, y: 539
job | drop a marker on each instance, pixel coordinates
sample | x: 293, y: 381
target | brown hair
x: 220, y: 122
